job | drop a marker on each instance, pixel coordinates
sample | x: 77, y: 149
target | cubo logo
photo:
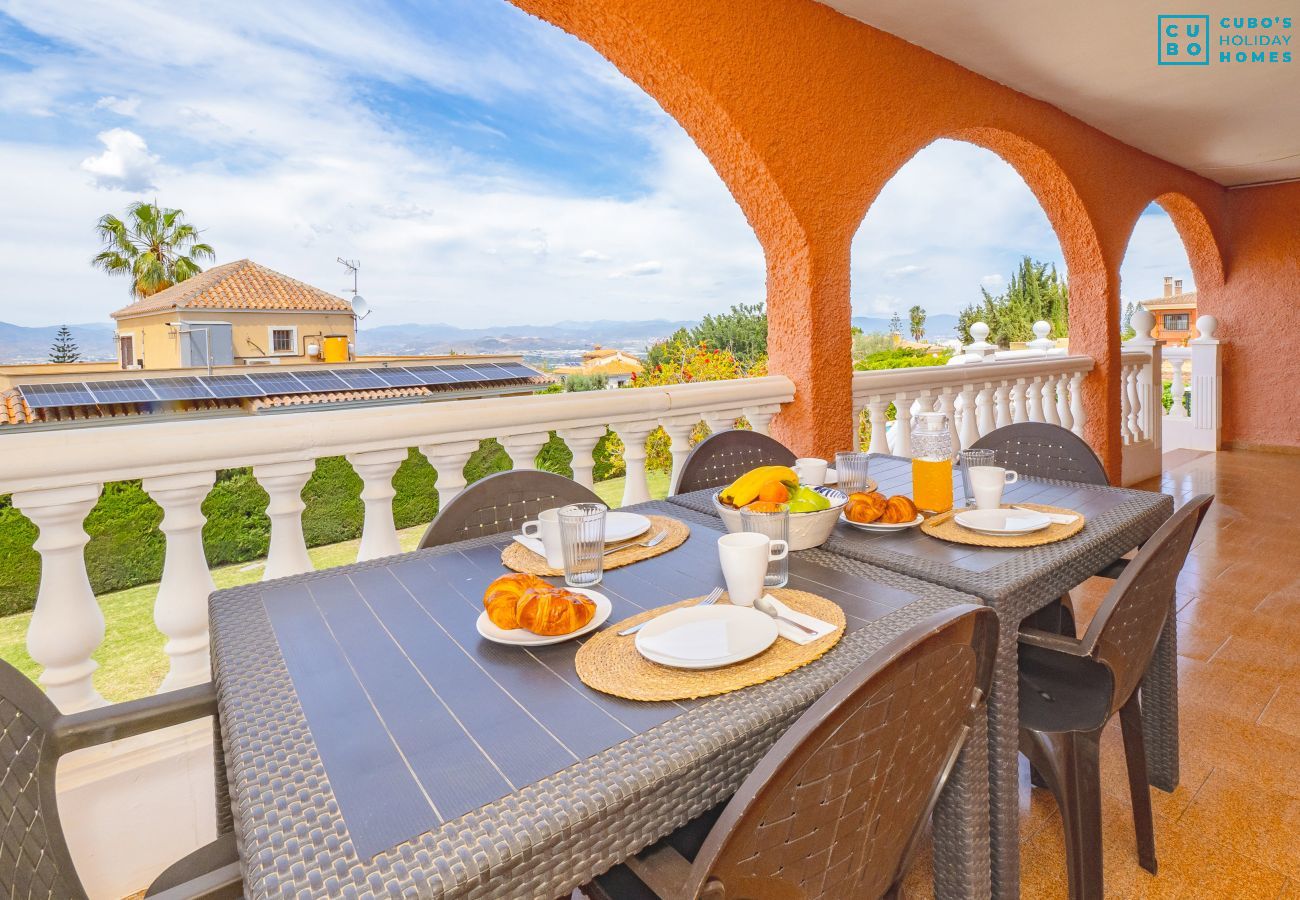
x: 1183, y: 40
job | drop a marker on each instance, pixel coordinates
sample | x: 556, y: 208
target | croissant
x: 501, y: 599
x: 898, y: 509
x: 548, y: 610
x: 863, y: 507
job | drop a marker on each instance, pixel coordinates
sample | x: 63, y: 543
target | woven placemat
x: 611, y: 664
x: 943, y: 527
x: 519, y: 558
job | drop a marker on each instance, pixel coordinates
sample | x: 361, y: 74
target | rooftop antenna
x: 360, y: 308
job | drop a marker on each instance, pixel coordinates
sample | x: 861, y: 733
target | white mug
x: 744, y: 557
x: 811, y: 471
x: 546, y: 528
x: 986, y: 484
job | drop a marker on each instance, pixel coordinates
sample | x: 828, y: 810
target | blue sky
x: 485, y: 167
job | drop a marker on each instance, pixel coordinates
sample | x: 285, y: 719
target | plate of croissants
x: 528, y: 611
x: 875, y: 512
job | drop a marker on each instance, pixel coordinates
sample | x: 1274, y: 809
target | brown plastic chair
x: 34, y: 857
x: 1070, y: 688
x: 723, y: 457
x: 502, y: 502
x: 838, y: 805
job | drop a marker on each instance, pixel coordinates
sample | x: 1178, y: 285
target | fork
x: 652, y: 542
x: 714, y: 596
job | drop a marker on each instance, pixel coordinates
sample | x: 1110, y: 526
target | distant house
x: 617, y: 367
x: 235, y: 314
x: 1175, y: 313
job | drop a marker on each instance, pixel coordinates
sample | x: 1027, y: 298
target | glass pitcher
x: 932, y: 463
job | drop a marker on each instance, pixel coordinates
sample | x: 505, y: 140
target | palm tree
x: 155, y: 246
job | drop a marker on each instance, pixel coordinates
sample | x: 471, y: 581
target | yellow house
x: 233, y: 314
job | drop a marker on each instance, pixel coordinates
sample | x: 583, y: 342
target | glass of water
x: 775, y: 526
x: 969, y: 460
x: 582, y: 539
x: 851, y: 471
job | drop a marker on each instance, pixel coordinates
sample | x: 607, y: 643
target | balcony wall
x: 806, y: 114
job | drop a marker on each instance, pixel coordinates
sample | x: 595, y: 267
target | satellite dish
x: 360, y: 308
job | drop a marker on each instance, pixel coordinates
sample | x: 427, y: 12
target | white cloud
x: 592, y: 256
x: 904, y: 271
x: 992, y: 280
x: 126, y: 163
x: 127, y: 106
x: 637, y: 270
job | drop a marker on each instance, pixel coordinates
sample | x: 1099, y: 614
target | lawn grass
x: 131, y: 658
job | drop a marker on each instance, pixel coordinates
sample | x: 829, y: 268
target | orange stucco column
x: 1094, y: 331
x: 809, y: 340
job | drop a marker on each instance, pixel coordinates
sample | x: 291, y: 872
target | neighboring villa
x: 1175, y: 313
x: 617, y: 367
x: 242, y: 339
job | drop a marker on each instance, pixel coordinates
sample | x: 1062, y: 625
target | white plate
x: 705, y: 637
x: 623, y: 526
x: 1002, y: 521
x: 883, y: 526
x: 520, y: 637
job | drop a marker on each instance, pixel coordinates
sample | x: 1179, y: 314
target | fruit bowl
x: 807, y: 530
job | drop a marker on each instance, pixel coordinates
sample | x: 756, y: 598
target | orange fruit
x: 775, y: 492
x: 764, y: 506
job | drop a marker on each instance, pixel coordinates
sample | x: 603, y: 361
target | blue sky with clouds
x: 485, y: 167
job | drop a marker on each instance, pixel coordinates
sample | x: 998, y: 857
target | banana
x: 745, y: 489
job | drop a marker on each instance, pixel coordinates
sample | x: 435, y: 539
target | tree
x: 1126, y: 331
x: 1035, y: 292
x: 895, y: 324
x: 917, y: 316
x: 152, y: 245
x: 64, y: 349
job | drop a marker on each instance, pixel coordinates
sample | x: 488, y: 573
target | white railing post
x: 582, y: 443
x: 902, y: 424
x: 1177, y: 388
x: 1050, y: 415
x: 1077, y: 415
x: 1063, y: 417
x: 877, y: 408
x: 449, y: 461
x: 949, y: 409
x: 720, y: 420
x: 1034, y: 400
x: 1004, y: 404
x: 67, y: 625
x: 970, y: 432
x: 181, y: 608
x: 1207, y: 384
x: 284, y: 483
x: 984, y: 406
x: 378, y: 530
x: 679, y: 446
x: 633, y: 435
x: 523, y: 448
x: 1019, y: 409
x: 760, y: 417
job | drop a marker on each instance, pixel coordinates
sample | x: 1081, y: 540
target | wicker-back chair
x: 1040, y: 450
x: 837, y: 806
x: 1070, y: 688
x: 500, y: 503
x: 721, y: 458
x: 34, y: 857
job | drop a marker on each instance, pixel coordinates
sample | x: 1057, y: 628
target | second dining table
x: 1017, y: 582
x: 375, y: 745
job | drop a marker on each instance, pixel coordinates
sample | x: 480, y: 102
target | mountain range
x: 561, y: 342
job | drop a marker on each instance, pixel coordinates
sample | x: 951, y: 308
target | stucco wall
x: 157, y: 343
x: 806, y: 114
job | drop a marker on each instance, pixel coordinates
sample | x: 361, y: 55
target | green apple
x: 805, y: 500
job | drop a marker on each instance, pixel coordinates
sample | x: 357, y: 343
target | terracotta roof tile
x: 242, y: 284
x: 283, y: 400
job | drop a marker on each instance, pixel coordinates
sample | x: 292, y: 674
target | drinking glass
x: 582, y: 539
x: 969, y: 460
x: 775, y: 526
x: 851, y: 471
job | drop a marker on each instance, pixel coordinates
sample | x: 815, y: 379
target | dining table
x: 375, y: 745
x: 1016, y: 582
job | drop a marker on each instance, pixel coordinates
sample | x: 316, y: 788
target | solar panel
x: 484, y: 372
x: 321, y: 381
x: 515, y: 370
x: 184, y: 388
x: 231, y: 386
x: 125, y: 391
x: 397, y: 377
x: 277, y: 383
x: 458, y: 371
x: 44, y: 396
x: 361, y: 379
x: 431, y: 375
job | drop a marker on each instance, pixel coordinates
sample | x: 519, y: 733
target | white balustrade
x: 449, y: 461
x: 1198, y: 370
x: 523, y: 448
x: 760, y: 417
x: 67, y: 625
x: 378, y: 531
x: 581, y: 443
x: 1140, y: 405
x: 1178, y: 360
x: 284, y: 482
x: 181, y: 609
x: 633, y: 435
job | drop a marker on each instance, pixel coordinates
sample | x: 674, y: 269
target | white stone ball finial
x: 1042, y: 329
x: 1143, y: 321
x: 1206, y: 326
x: 1041, y: 340
x: 979, y: 332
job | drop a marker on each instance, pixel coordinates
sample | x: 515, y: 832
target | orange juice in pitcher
x: 932, y: 463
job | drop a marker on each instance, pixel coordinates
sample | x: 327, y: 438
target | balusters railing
x: 449, y: 461
x: 378, y: 531
x: 1177, y: 388
x: 582, y: 443
x: 636, y: 489
x: 284, y: 482
x: 523, y: 448
x: 877, y: 412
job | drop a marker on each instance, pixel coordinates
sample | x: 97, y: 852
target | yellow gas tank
x: 335, y: 349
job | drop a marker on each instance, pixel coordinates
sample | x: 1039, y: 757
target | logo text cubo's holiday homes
x: 1197, y: 40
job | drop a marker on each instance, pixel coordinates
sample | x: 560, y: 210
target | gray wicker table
x: 1016, y: 583
x: 375, y: 746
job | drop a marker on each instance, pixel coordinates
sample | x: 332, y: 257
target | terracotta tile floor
x: 1232, y: 829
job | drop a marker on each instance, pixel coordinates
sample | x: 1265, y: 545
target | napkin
x: 1057, y: 518
x: 533, y: 544
x: 789, y: 632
